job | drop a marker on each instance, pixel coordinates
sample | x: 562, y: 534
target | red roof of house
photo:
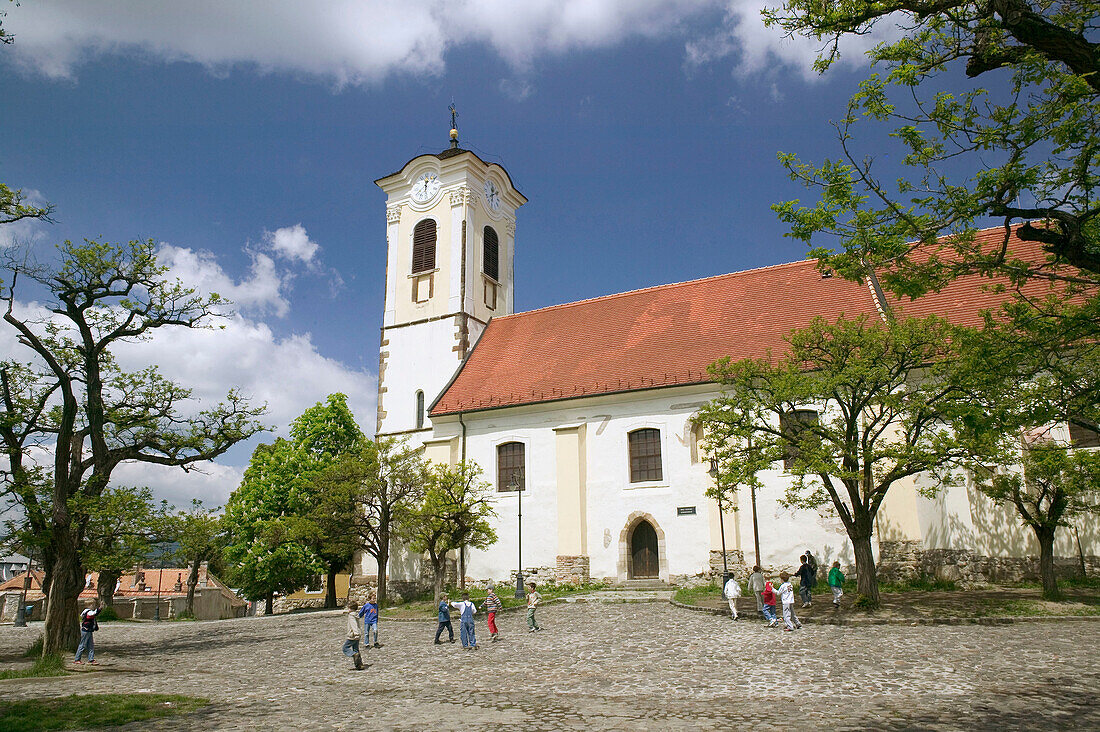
x: 668, y: 335
x: 127, y: 585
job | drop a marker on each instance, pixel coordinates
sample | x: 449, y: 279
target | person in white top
x: 756, y: 587
x: 786, y: 596
x: 732, y: 591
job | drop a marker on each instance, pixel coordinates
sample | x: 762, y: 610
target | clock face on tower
x: 492, y: 195
x: 425, y: 187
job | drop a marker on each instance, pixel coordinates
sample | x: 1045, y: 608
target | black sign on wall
x: 685, y: 511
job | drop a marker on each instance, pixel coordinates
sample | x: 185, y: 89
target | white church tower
x: 450, y: 237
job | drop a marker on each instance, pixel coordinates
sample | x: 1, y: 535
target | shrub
x: 865, y: 602
x: 107, y: 613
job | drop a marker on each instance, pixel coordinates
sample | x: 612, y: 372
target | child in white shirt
x: 786, y: 596
x: 732, y: 591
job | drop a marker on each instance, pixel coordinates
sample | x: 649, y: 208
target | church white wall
x: 612, y: 499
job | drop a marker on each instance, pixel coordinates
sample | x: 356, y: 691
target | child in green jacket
x: 836, y: 581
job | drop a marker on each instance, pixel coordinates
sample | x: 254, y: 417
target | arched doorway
x: 644, y: 555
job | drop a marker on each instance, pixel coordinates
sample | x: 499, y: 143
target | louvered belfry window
x: 645, y: 455
x: 510, y: 463
x: 492, y: 253
x: 424, y: 246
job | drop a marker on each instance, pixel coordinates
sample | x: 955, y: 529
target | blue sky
x: 247, y: 140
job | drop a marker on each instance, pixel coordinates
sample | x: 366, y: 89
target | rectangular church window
x: 793, y: 423
x: 510, y: 466
x: 645, y: 455
x: 1082, y: 435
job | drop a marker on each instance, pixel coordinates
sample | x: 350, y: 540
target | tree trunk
x: 383, y: 560
x: 330, y: 586
x: 462, y: 568
x: 1046, y: 562
x: 867, y: 573
x: 108, y: 578
x: 62, y: 623
x: 192, y: 583
x: 269, y: 607
x: 439, y: 569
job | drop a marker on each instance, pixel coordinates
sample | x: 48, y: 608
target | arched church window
x: 510, y: 466
x: 492, y: 253
x: 645, y: 455
x: 420, y: 410
x: 423, y: 258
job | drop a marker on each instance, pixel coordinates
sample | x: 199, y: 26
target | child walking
x: 493, y: 605
x: 369, y: 614
x: 88, y: 625
x: 444, y: 620
x: 732, y: 591
x: 767, y: 597
x: 466, y: 626
x: 786, y: 596
x: 351, y: 644
x: 756, y: 587
x: 836, y: 582
x: 533, y: 600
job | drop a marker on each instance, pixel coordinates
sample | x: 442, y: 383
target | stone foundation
x: 572, y: 569
x: 908, y: 560
x: 735, y: 562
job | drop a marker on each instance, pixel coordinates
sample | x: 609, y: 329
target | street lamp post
x: 513, y: 484
x: 721, y: 522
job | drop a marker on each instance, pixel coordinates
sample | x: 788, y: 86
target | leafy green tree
x: 854, y: 407
x: 199, y: 532
x: 455, y: 512
x: 73, y: 396
x: 263, y: 550
x: 322, y: 435
x: 1024, y: 148
x: 1029, y: 377
x: 123, y: 523
x: 367, y: 494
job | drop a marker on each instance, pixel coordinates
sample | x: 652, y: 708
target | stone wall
x: 572, y: 570
x: 907, y: 560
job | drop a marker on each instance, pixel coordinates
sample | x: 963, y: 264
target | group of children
x: 465, y: 608
x: 766, y: 594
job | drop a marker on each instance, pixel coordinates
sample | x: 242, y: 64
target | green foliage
x: 923, y: 583
x: 13, y: 203
x: 121, y: 525
x: 453, y: 513
x: 107, y: 614
x: 881, y: 397
x: 44, y: 666
x: 85, y: 711
x: 262, y: 550
x: 1025, y: 148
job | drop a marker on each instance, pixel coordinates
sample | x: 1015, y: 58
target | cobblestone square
x: 596, y: 665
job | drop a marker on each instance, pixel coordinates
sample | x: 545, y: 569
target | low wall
x: 907, y: 560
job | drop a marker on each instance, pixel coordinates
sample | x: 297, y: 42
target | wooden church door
x: 643, y: 551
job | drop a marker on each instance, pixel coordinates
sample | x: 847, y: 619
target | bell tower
x: 450, y: 246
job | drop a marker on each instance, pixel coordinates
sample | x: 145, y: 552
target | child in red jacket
x: 768, y: 596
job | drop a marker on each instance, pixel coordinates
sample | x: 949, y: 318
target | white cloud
x: 343, y: 41
x: 292, y: 242
x: 262, y: 290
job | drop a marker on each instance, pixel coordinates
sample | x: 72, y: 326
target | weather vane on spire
x: 454, y: 125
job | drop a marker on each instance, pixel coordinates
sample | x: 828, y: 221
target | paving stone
x: 597, y: 665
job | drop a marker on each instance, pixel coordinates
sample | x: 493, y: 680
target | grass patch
x: 35, y: 649
x: 93, y: 710
x: 424, y: 606
x: 692, y: 595
x: 1032, y: 608
x: 44, y: 666
x: 923, y: 583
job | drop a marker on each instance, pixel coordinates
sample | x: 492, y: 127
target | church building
x: 581, y: 414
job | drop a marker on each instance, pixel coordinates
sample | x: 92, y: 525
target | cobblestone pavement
x: 619, y: 666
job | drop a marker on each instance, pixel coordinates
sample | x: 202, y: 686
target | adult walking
x: 756, y: 587
x: 89, y: 624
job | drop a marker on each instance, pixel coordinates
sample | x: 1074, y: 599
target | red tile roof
x: 668, y: 335
x: 127, y: 583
